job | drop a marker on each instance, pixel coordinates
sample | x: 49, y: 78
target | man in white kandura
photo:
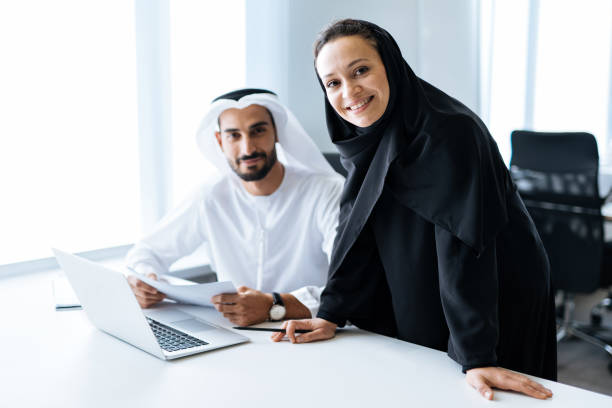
x: 269, y: 223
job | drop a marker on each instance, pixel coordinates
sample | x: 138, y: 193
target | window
x: 546, y: 66
x: 573, y: 67
x: 202, y: 67
x: 69, y: 141
x: 72, y: 73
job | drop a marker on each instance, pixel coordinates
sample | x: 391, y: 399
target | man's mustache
x: 249, y: 157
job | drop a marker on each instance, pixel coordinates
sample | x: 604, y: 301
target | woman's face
x: 354, y: 78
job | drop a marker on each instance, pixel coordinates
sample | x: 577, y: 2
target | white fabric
x: 281, y: 242
x: 295, y: 148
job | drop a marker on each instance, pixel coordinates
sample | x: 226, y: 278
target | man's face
x: 247, y: 138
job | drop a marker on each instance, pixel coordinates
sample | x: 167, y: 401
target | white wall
x: 438, y: 38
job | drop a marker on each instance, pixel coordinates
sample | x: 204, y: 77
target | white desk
x: 58, y: 359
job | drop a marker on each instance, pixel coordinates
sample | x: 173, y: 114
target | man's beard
x: 270, y: 161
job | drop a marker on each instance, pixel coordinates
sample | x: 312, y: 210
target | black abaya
x: 434, y: 245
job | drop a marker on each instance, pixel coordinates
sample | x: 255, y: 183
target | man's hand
x: 320, y: 330
x: 483, y: 379
x: 244, y: 308
x: 145, y: 295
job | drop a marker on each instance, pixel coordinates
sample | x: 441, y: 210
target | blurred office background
x: 100, y: 100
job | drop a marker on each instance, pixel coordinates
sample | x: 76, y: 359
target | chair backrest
x: 557, y: 177
x: 334, y: 160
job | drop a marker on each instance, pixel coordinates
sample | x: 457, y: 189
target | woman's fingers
x: 479, y: 383
x: 315, y: 335
x: 319, y: 330
x: 279, y: 336
x: 518, y: 382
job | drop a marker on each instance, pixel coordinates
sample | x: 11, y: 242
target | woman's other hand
x: 483, y: 379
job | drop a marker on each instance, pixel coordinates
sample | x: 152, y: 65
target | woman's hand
x: 483, y: 379
x: 320, y: 330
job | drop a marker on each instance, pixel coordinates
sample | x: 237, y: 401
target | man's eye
x: 260, y: 129
x: 234, y: 135
x: 361, y: 71
x: 332, y: 83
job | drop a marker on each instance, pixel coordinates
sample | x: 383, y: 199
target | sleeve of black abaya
x: 469, y: 295
x: 357, y: 291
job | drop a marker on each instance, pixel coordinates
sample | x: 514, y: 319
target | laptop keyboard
x: 171, y: 339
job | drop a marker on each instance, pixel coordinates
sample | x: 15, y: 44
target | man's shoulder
x: 312, y: 179
x: 214, y: 188
x: 314, y: 184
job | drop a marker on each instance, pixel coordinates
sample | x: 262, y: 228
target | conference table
x: 50, y: 358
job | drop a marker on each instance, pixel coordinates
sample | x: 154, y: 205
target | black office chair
x: 334, y: 160
x: 557, y: 177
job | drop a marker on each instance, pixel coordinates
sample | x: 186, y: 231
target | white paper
x: 196, y: 294
x: 64, y: 296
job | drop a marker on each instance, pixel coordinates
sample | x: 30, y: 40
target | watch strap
x: 277, y: 299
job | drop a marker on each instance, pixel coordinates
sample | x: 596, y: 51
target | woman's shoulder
x: 459, y: 137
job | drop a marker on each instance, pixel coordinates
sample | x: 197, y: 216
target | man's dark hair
x: 344, y: 28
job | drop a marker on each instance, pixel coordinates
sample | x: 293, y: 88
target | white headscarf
x: 294, y: 148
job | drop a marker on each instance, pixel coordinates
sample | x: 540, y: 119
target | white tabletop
x: 58, y: 359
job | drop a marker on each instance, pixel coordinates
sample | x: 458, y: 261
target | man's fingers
x: 149, y: 295
x: 223, y: 308
x: 225, y: 298
x: 140, y: 286
x: 145, y: 302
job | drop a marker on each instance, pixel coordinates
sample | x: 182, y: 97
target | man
x: 269, y: 225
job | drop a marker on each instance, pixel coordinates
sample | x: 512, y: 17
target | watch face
x: 277, y: 312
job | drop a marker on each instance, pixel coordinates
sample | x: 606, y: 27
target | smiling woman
x: 434, y: 244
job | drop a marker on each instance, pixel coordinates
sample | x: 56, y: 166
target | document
x: 64, y: 296
x: 196, y: 294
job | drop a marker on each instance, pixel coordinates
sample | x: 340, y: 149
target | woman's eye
x: 332, y: 83
x: 361, y: 71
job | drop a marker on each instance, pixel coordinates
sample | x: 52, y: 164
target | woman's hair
x: 344, y: 28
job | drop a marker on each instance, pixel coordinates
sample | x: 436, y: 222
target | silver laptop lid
x: 108, y: 301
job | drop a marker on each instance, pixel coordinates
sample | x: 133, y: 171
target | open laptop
x: 166, y: 333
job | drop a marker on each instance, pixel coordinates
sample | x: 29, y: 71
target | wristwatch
x: 277, y: 311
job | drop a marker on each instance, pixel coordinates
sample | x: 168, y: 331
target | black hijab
x: 433, y: 153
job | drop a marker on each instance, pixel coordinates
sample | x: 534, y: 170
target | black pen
x: 270, y: 330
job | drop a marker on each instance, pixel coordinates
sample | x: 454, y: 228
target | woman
x: 434, y: 244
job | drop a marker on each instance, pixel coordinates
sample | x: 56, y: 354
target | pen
x: 270, y: 330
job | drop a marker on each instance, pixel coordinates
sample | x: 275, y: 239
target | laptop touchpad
x: 193, y: 325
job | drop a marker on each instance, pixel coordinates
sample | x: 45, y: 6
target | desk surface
x: 58, y: 359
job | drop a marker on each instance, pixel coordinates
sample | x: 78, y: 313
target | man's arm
x: 178, y: 234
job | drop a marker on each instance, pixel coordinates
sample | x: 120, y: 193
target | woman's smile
x: 360, y: 106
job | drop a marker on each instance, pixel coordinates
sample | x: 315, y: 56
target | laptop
x: 166, y: 333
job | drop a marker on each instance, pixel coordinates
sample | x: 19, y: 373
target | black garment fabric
x: 434, y: 245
